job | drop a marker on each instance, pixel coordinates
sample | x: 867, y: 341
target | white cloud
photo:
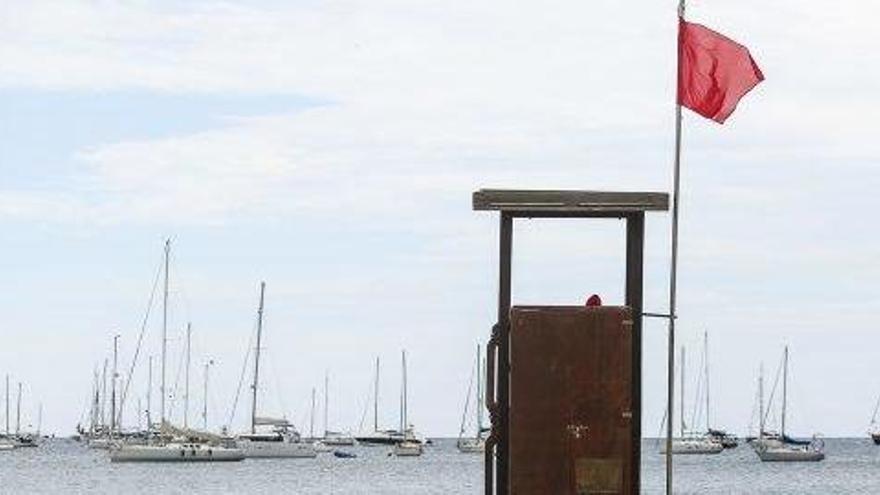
x: 429, y: 101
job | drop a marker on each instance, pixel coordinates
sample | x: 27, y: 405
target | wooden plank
x: 517, y: 200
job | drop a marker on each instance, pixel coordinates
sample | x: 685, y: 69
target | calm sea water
x: 852, y: 466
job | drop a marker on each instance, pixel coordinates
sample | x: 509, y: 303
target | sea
x: 66, y: 467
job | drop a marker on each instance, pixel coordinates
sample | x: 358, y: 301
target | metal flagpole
x: 673, y: 266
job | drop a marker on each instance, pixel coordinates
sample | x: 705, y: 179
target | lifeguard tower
x: 564, y: 382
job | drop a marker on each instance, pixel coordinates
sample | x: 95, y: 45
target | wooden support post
x: 635, y: 246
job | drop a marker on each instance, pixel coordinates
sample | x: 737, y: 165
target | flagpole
x: 673, y: 266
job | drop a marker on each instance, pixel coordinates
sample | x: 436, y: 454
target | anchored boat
x: 772, y: 447
x: 410, y: 446
x: 477, y: 443
x: 689, y: 442
x: 281, y: 440
x: 175, y: 452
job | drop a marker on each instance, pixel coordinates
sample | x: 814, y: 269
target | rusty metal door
x: 571, y: 428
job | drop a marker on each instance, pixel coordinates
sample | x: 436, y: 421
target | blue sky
x: 331, y: 149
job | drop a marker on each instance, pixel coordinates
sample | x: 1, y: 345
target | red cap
x: 594, y: 300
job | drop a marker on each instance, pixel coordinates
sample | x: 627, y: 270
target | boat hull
x: 277, y: 450
x: 471, y: 446
x: 408, y: 449
x: 174, y: 453
x: 339, y: 441
x: 788, y: 455
x: 876, y: 438
x: 693, y: 447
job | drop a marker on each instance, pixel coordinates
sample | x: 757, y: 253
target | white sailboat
x: 270, y: 437
x: 779, y: 447
x: 333, y: 438
x: 172, y: 445
x: 7, y: 441
x: 874, y: 429
x: 377, y: 436
x: 477, y: 443
x: 689, y: 442
x: 410, y: 446
x: 727, y: 440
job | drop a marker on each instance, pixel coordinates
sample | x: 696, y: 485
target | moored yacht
x: 779, y: 447
x: 175, y: 452
x: 410, y: 446
x: 281, y: 440
x: 170, y: 444
x: 689, y: 442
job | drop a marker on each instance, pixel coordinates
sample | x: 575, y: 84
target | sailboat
x: 377, y: 436
x: 7, y: 441
x: 874, y: 430
x: 727, y: 440
x: 333, y: 438
x: 172, y: 444
x: 270, y: 437
x: 690, y: 442
x: 475, y: 444
x: 410, y: 446
x: 772, y: 447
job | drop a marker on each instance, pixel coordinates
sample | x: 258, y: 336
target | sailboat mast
x: 761, y: 401
x: 7, y: 405
x: 113, y: 385
x: 149, y: 391
x: 312, y: 416
x: 376, y: 398
x: 326, y: 399
x: 186, y: 376
x: 784, y: 390
x: 205, y: 396
x: 706, y: 361
x: 104, y: 395
x: 162, y: 390
x: 95, y: 402
x: 403, y: 393
x: 479, y: 407
x: 257, y: 359
x: 682, y: 391
x: 39, y: 418
x: 18, y: 411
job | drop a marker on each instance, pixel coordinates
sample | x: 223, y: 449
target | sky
x: 331, y: 149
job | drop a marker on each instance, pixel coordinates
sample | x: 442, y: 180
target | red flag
x: 714, y: 71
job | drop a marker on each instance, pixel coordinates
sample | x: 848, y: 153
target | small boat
x: 175, y: 452
x: 344, y: 455
x: 779, y: 447
x: 408, y: 448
